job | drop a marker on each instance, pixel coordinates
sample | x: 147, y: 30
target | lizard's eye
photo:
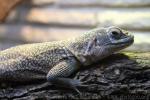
x: 116, y: 34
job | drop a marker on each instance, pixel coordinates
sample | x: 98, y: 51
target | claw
x: 77, y: 90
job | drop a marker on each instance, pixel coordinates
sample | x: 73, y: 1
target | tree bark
x: 122, y: 76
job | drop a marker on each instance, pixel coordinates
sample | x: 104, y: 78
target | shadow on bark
x: 122, y: 76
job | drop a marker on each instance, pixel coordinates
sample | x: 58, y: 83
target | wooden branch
x: 120, y: 76
x: 6, y: 6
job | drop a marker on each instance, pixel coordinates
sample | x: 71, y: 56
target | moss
x: 142, y: 58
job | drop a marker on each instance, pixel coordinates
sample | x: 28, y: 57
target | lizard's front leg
x: 59, y: 73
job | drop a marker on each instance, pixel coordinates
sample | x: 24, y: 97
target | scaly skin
x: 31, y: 61
x: 55, y: 61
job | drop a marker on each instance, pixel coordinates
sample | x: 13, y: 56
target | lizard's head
x: 100, y: 43
x: 113, y: 39
x: 107, y: 41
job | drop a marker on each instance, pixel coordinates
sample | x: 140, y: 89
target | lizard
x: 56, y: 61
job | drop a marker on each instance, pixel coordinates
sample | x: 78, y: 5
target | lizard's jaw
x: 121, y: 44
x: 125, y: 41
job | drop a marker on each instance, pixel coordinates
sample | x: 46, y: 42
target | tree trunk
x: 122, y: 76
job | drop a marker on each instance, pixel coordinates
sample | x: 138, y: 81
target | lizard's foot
x: 68, y: 83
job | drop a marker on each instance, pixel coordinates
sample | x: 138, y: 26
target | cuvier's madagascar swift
x: 56, y: 61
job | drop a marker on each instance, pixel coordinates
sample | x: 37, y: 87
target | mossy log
x: 121, y: 76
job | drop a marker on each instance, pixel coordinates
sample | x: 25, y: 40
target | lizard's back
x: 31, y: 61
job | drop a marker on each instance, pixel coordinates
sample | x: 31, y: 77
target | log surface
x: 122, y: 76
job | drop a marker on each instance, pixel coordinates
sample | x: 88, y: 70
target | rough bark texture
x: 122, y: 76
x: 6, y: 6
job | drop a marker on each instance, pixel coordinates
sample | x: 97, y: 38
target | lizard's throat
x: 93, y: 58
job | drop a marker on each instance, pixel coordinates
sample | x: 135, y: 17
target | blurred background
x: 50, y: 20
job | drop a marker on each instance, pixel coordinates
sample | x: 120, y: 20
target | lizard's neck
x: 78, y: 47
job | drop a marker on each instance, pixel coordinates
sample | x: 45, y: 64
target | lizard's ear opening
x: 90, y: 45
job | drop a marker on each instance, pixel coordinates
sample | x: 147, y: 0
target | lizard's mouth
x: 121, y: 43
x: 124, y: 41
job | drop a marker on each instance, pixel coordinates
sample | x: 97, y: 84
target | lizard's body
x: 55, y: 61
x: 31, y: 61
